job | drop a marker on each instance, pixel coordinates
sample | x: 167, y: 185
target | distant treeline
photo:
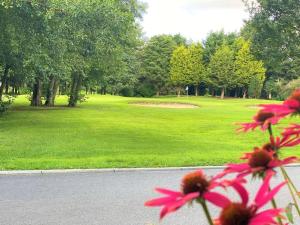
x: 52, y: 47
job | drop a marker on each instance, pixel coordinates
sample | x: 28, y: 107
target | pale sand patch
x: 168, y: 105
x: 254, y: 106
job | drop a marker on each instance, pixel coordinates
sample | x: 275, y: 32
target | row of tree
x: 230, y: 67
x: 224, y: 63
x: 51, y: 45
x: 268, y: 43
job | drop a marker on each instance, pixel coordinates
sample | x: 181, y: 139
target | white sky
x: 194, y: 19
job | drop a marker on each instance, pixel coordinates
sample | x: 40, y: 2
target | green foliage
x: 214, y: 41
x: 187, y: 66
x: 144, y: 89
x: 250, y: 72
x: 221, y: 68
x: 49, y: 41
x: 180, y: 66
x: 197, y: 72
x: 273, y: 88
x: 5, y: 104
x: 274, y: 30
x: 285, y: 90
x: 156, y: 56
x: 255, y: 86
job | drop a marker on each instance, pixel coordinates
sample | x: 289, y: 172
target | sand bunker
x: 166, y: 105
x: 253, y: 106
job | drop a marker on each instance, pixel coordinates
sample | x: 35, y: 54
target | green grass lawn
x: 108, y: 132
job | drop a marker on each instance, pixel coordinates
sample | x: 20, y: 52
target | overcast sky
x: 194, y: 19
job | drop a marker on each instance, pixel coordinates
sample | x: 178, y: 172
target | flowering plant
x: 263, y: 163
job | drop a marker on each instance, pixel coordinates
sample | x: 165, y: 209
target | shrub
x: 5, y: 103
x: 145, y: 90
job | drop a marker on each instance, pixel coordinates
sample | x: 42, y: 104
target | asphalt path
x: 100, y: 198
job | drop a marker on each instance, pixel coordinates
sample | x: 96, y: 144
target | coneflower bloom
x: 259, y: 163
x: 194, y: 186
x: 262, y: 119
x: 243, y: 213
x: 289, y: 106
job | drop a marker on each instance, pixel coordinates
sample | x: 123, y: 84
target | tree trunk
x: 157, y: 93
x: 15, y: 90
x: 270, y: 95
x: 6, y: 87
x: 178, y: 91
x: 3, y: 81
x: 36, y: 93
x: 223, y: 93
x: 75, y: 89
x: 196, y: 90
x: 244, y: 94
x: 51, y: 92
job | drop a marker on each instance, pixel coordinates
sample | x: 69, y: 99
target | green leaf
x: 289, y: 212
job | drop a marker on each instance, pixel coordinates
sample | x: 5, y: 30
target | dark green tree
x: 156, y: 58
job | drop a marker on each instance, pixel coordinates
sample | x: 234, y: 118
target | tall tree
x: 197, y: 72
x: 156, y: 58
x: 275, y: 32
x: 221, y: 69
x: 247, y: 68
x: 215, y: 40
x: 180, y: 70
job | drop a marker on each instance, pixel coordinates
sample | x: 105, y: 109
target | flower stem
x: 289, y: 179
x: 206, y: 211
x: 270, y: 130
x: 275, y: 207
x: 291, y: 188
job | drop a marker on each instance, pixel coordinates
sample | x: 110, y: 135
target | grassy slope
x: 108, y: 132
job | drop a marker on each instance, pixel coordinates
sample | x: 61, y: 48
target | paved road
x: 94, y: 198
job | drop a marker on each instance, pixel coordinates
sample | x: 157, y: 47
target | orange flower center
x: 260, y: 158
x: 194, y: 182
x: 263, y: 116
x: 236, y: 214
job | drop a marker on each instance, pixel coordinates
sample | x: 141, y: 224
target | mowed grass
x: 108, y: 132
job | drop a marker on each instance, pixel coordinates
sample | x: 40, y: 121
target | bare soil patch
x: 168, y: 105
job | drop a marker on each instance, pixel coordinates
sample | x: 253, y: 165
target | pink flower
x: 293, y: 102
x: 259, y: 163
x: 241, y: 213
x: 293, y: 130
x: 289, y: 106
x: 288, y: 140
x: 279, y: 110
x: 195, y: 185
x: 262, y: 119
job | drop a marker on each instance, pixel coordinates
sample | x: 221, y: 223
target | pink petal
x: 265, y: 217
x: 160, y: 201
x: 289, y: 160
x: 238, y: 167
x: 191, y: 196
x: 268, y: 197
x: 217, y: 199
x: 168, y: 192
x: 242, y: 192
x: 263, y: 189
